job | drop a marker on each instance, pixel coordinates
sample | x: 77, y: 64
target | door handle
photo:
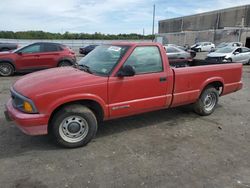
x: 163, y: 79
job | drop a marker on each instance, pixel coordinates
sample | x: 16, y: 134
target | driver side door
x: 28, y: 57
x: 144, y: 91
x: 237, y: 55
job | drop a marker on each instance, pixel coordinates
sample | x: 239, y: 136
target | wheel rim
x: 73, y: 129
x: 5, y: 70
x: 210, y: 101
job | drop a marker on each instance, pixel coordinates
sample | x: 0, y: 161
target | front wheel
x: 6, y: 69
x: 74, y: 126
x: 207, y: 102
x: 229, y: 60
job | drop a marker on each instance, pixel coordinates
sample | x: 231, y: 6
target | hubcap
x: 73, y: 129
x: 210, y: 101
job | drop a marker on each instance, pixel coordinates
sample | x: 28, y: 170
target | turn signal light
x: 27, y: 106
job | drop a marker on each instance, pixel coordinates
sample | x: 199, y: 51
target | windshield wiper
x: 85, y: 68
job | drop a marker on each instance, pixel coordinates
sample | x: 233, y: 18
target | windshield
x: 221, y: 45
x: 102, y: 59
x: 225, y: 50
x: 20, y: 48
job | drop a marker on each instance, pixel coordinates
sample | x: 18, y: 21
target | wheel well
x: 217, y: 85
x: 64, y: 60
x: 92, y: 105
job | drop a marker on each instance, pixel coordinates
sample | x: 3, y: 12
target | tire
x: 199, y: 50
x: 248, y: 63
x: 64, y: 64
x: 229, y: 60
x: 74, y: 126
x: 207, y: 102
x: 6, y: 69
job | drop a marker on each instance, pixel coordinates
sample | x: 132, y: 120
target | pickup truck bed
x: 190, y: 81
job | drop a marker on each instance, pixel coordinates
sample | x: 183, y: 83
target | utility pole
x: 143, y: 33
x: 153, y: 26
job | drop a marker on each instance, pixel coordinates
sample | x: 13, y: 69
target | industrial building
x: 226, y: 25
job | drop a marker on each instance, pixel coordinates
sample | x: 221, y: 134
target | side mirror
x: 20, y: 53
x: 236, y: 53
x: 127, y: 70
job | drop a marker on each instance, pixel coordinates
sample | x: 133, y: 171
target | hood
x: 215, y: 54
x: 55, y: 79
x: 194, y: 46
x: 5, y: 53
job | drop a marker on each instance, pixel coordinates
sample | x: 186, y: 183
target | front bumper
x: 31, y: 124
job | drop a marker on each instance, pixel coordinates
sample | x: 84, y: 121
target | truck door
x: 146, y: 90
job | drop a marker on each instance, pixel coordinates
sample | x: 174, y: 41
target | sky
x: 104, y: 16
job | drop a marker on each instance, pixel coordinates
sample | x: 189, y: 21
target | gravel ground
x: 168, y: 148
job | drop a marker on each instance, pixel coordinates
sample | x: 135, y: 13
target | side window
x: 145, y: 60
x: 50, y: 48
x: 238, y: 50
x: 245, y: 50
x: 172, y: 50
x: 36, y: 48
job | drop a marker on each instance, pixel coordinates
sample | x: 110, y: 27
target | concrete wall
x: 232, y: 17
x: 216, y: 36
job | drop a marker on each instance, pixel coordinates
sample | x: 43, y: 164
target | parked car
x: 185, y: 48
x: 7, y: 46
x: 227, y: 44
x: 113, y: 81
x: 36, y: 56
x: 175, y: 52
x: 231, y: 54
x: 85, y: 50
x: 203, y: 47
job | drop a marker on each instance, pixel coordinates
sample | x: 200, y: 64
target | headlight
x: 22, y: 103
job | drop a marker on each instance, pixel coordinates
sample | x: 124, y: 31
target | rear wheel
x: 64, y: 64
x: 207, y: 102
x: 6, y: 69
x: 74, y: 126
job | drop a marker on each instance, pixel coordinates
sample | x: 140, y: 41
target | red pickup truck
x: 113, y: 81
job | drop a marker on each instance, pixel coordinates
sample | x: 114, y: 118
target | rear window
x: 245, y: 50
x: 51, y: 48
